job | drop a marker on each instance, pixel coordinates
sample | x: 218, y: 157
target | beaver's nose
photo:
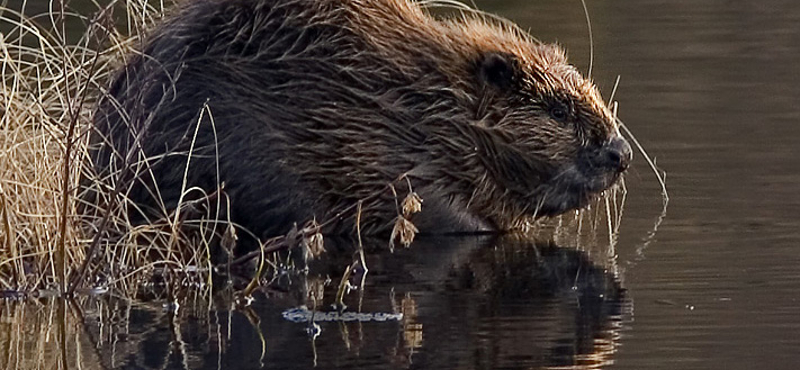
x: 616, y: 154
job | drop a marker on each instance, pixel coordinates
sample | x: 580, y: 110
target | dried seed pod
x: 229, y: 238
x: 404, y: 231
x: 314, y: 243
x: 412, y: 204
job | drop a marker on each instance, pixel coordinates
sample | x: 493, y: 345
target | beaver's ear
x: 498, y: 69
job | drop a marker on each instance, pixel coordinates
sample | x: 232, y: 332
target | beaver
x: 303, y: 108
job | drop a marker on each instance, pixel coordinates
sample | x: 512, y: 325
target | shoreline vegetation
x: 55, y: 65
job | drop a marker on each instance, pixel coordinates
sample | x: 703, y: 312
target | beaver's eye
x: 559, y: 112
x: 497, y: 69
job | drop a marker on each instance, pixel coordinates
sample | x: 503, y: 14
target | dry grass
x: 51, y: 74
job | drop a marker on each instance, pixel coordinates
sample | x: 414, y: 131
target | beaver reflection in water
x: 318, y: 104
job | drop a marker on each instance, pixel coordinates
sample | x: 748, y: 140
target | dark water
x: 710, y: 88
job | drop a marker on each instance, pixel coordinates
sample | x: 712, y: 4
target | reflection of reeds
x: 43, y: 336
x: 107, y: 332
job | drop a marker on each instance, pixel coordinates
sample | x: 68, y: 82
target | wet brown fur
x: 318, y: 104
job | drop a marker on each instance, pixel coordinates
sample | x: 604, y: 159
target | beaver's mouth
x: 574, y: 185
x: 572, y: 189
x: 547, y: 190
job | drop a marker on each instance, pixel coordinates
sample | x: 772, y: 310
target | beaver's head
x: 547, y: 140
